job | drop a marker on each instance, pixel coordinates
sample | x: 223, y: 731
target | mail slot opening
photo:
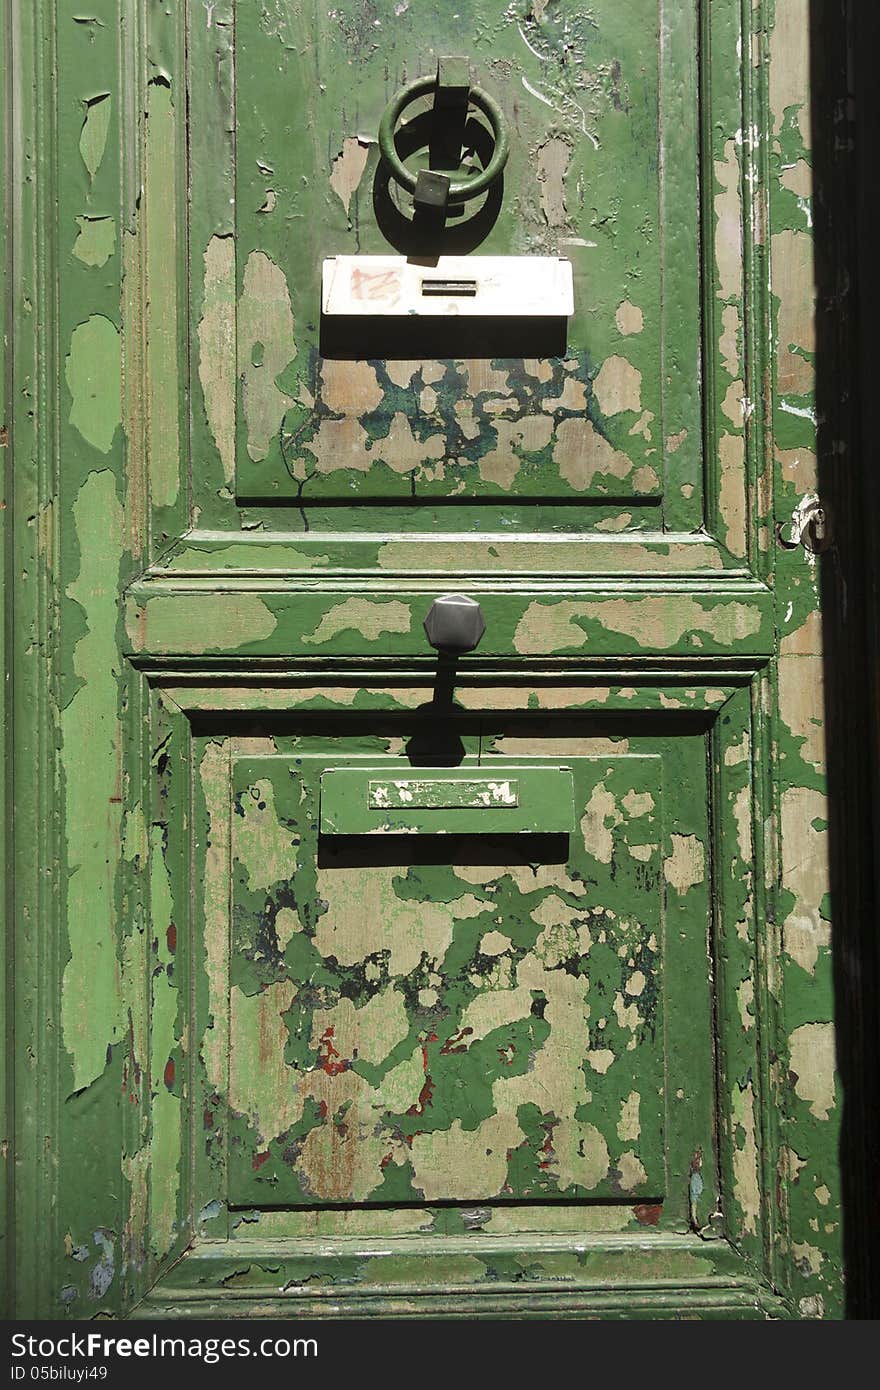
x: 447, y: 801
x: 450, y: 287
x: 425, y: 849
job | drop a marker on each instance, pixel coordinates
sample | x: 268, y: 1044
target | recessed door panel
x: 442, y: 1017
x: 451, y: 407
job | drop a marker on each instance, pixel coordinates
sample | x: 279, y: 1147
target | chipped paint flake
x: 793, y: 284
x: 93, y: 137
x: 745, y: 1156
x: 618, y: 386
x: 93, y: 370
x: 686, y: 865
x: 261, y: 1084
x: 217, y: 348
x: 628, y: 1126
x: 350, y: 388
x: 365, y: 617
x: 805, y: 874
x: 629, y: 318
x: 790, y: 66
x: 348, y: 169
x: 600, y: 816
x: 812, y: 1061
x: 96, y: 241
x: 728, y: 230
x: 554, y: 158
x: 266, y: 347
x: 210, y: 622
x: 659, y: 622
x: 582, y: 454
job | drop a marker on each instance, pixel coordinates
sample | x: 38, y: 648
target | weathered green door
x: 368, y: 980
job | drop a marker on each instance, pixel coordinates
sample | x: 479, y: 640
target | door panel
x: 439, y: 1020
x: 582, y: 95
x: 244, y: 1076
x: 452, y: 1004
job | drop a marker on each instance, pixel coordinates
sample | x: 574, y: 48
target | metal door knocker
x: 431, y: 189
x: 434, y: 297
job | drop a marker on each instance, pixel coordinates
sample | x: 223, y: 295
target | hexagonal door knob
x: 455, y: 623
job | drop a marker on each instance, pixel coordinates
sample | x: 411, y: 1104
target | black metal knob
x: 455, y: 623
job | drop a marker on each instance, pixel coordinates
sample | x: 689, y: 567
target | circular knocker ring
x: 460, y: 190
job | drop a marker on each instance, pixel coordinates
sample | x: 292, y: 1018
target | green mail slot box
x: 447, y: 801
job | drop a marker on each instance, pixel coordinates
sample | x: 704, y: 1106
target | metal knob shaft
x: 455, y: 623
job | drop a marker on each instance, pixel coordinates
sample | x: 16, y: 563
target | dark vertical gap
x: 845, y: 44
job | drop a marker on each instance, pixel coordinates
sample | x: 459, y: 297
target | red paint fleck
x: 507, y: 1054
x: 648, y: 1215
x: 383, y: 1162
x: 376, y: 285
x: 424, y: 1099
x: 169, y: 1073
x: 450, y: 1043
x: 323, y: 1109
x: 207, y: 1119
x: 259, y: 1159
x: 327, y: 1054
x: 429, y: 1038
x: 171, y: 937
x: 548, y: 1149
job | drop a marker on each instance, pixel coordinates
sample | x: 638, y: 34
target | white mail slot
x: 465, y: 286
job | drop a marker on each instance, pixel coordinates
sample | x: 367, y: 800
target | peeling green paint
x: 360, y: 1079
x: 217, y: 348
x: 96, y: 241
x: 451, y: 1072
x: 96, y: 124
x: 266, y: 347
x: 660, y: 622
x: 163, y: 363
x: 198, y: 627
x: 369, y: 619
x: 93, y: 373
x: 90, y: 997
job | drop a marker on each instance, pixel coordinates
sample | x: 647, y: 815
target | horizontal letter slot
x: 409, y: 794
x: 447, y: 801
x: 451, y: 287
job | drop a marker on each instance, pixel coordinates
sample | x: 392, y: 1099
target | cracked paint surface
x: 448, y: 428
x: 406, y: 1046
x: 810, y: 1092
